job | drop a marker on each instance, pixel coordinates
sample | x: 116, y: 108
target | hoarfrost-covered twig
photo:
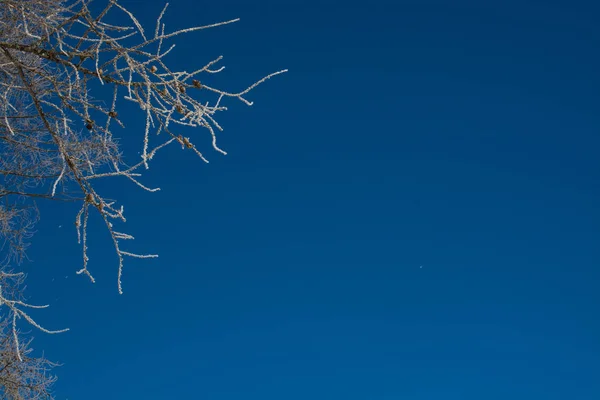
x: 57, y: 136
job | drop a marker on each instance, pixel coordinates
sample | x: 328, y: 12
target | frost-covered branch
x: 51, y: 65
x: 66, y: 74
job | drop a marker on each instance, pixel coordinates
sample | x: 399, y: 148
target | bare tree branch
x: 57, y: 61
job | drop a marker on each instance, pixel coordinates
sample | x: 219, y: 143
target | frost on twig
x: 10, y: 284
x: 66, y: 73
x: 58, y: 139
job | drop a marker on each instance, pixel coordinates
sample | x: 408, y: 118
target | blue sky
x: 410, y: 213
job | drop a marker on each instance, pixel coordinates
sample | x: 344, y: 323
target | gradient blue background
x: 411, y: 213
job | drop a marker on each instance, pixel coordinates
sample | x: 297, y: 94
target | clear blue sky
x: 411, y: 213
